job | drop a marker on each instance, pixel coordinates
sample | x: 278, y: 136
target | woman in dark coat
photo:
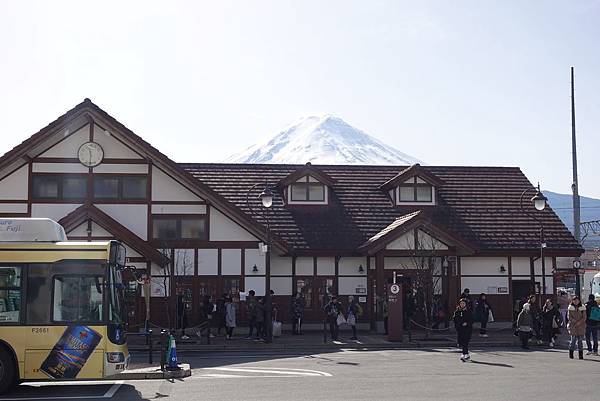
x: 482, y: 314
x: 551, y: 321
x: 463, y: 322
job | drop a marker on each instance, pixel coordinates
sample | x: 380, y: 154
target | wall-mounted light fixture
x: 361, y: 269
x: 502, y: 269
x: 254, y: 269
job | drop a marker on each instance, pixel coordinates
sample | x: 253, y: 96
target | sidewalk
x: 313, y: 340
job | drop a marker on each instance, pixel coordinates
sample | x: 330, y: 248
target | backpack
x: 595, y: 314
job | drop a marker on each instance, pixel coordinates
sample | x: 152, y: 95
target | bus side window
x: 10, y: 294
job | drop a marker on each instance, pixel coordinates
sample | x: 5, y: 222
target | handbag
x: 351, y: 320
x: 490, y: 317
x: 595, y: 314
x: 340, y: 319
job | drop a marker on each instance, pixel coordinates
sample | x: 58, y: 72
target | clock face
x: 90, y: 154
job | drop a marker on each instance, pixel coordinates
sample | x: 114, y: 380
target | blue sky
x: 449, y: 82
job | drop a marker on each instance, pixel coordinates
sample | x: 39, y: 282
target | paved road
x: 355, y: 375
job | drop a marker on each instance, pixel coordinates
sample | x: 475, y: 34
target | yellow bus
x: 61, y: 315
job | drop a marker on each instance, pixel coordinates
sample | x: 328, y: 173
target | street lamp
x: 539, y: 203
x: 266, y: 200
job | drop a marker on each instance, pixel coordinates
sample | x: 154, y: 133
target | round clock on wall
x: 90, y: 154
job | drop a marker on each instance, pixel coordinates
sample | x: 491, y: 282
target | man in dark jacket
x: 463, y: 323
x: 268, y: 314
x: 591, y: 327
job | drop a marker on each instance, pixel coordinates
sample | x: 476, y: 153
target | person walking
x: 333, y: 309
x: 591, y: 326
x: 536, y: 318
x: 260, y: 318
x: 208, y: 309
x: 229, y: 316
x: 525, y: 325
x: 463, y: 323
x: 220, y: 314
x: 297, y: 306
x: 251, y: 312
x: 576, y: 326
x: 551, y: 321
x: 352, y: 313
x: 482, y: 314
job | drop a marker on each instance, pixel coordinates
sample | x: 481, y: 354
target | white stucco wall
x: 405, y: 241
x: 520, y: 266
x: 178, y: 209
x: 16, y: 185
x: 54, y: 211
x: 134, y: 217
x: 478, y: 285
x: 281, y: 285
x: 258, y: 284
x: 79, y: 231
x: 113, y: 149
x: 325, y: 266
x: 222, y: 228
x: 59, y: 168
x: 281, y: 266
x: 483, y: 266
x: 165, y: 188
x: 208, y: 262
x: 121, y: 168
x: 69, y: 146
x: 304, y: 266
x: 13, y: 207
x: 349, y: 285
x: 349, y: 266
x: 254, y: 257
x: 231, y: 262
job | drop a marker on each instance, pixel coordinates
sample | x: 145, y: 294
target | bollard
x: 163, y: 351
x: 150, y: 346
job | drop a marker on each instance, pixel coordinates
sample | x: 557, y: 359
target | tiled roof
x: 479, y: 204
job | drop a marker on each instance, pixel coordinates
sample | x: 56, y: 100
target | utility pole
x: 576, y: 208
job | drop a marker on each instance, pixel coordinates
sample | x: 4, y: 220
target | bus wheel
x: 7, y: 371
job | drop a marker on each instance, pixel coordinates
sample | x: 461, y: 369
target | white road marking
x: 257, y: 372
x: 109, y: 394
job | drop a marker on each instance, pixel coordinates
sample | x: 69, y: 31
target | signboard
x: 395, y: 313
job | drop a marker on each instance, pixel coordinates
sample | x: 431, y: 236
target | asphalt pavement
x: 424, y: 374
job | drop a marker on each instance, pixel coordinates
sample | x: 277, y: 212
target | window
x: 77, y: 298
x: 60, y: 187
x: 120, y: 187
x: 304, y: 287
x: 179, y: 228
x: 10, y: 294
x: 231, y: 286
x: 307, y: 189
x: 415, y: 190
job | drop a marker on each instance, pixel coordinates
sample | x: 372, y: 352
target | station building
x: 200, y: 228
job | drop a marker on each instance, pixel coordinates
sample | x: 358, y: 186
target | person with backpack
x: 576, y: 326
x: 333, y: 309
x: 463, y: 323
x: 354, y: 310
x: 482, y: 314
x: 592, y: 312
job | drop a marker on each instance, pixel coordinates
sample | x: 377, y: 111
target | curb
x: 154, y: 373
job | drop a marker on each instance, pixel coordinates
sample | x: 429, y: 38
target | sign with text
x: 394, y: 298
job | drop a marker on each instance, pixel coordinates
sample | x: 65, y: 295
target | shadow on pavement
x: 501, y: 365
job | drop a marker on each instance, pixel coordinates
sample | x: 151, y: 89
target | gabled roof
x: 88, y: 109
x: 410, y: 172
x: 307, y: 169
x: 90, y: 212
x: 406, y: 223
x: 479, y: 205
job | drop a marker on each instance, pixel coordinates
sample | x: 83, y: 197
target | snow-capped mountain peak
x: 322, y: 139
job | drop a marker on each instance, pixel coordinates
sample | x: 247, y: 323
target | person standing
x: 437, y: 312
x: 220, y: 314
x: 550, y: 322
x: 181, y: 313
x: 260, y: 318
x: 525, y: 325
x: 229, y: 316
x: 353, y: 312
x: 482, y: 314
x: 268, y: 317
x: 576, y: 326
x: 385, y: 313
x: 591, y: 328
x: 298, y: 304
x: 333, y: 309
x: 536, y: 318
x: 251, y: 312
x: 463, y: 323
x: 208, y: 309
x: 563, y: 302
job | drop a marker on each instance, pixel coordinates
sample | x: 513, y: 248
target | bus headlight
x: 115, y: 357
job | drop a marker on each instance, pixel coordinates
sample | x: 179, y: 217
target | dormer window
x: 307, y: 190
x: 415, y: 190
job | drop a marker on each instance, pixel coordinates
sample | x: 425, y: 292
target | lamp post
x: 266, y: 199
x: 539, y: 202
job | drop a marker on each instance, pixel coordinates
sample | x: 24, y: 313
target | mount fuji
x: 323, y: 139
